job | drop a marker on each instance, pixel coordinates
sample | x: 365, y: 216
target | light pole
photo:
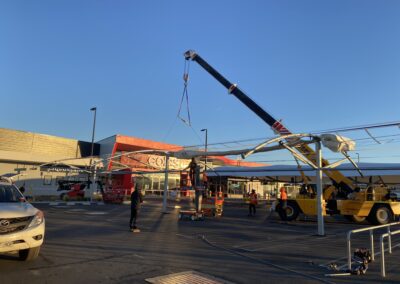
x: 205, y: 149
x: 94, y: 127
x: 358, y: 158
x: 92, y: 167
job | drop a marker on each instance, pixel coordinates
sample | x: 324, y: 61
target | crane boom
x: 338, y: 179
x: 232, y: 88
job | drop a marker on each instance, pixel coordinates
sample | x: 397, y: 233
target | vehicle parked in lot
x: 74, y: 190
x: 22, y: 226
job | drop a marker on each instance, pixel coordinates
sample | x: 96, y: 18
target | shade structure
x: 386, y: 172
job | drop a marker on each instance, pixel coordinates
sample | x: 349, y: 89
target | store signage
x: 174, y: 163
x: 153, y: 162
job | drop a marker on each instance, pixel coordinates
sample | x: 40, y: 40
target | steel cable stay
x: 360, y: 127
x: 226, y: 143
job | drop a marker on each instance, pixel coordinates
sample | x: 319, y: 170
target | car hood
x: 16, y: 210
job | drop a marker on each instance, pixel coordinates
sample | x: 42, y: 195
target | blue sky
x: 315, y: 64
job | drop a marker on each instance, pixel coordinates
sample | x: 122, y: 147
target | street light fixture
x: 205, y: 149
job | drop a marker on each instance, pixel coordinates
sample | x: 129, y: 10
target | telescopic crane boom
x: 342, y: 183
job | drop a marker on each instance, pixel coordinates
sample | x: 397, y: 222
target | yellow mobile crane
x: 342, y: 197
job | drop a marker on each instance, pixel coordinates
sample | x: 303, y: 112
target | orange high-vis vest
x: 253, y: 198
x: 283, y: 194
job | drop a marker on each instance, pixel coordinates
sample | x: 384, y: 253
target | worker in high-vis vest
x: 283, y: 203
x: 253, y: 202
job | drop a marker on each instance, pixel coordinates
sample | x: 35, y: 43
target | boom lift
x: 342, y: 196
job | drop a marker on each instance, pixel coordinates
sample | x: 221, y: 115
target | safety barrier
x: 382, y: 246
x: 371, y: 237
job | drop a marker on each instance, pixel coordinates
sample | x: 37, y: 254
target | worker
x: 253, y: 202
x: 136, y: 200
x: 205, y: 184
x: 283, y: 203
x: 193, y: 172
x: 194, y: 175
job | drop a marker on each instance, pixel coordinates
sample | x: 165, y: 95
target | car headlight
x: 37, y: 219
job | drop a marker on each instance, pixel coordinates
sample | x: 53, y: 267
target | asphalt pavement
x: 92, y: 244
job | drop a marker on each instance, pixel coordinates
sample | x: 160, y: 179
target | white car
x: 22, y: 226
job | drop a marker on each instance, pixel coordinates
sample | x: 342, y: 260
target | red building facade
x: 125, y: 152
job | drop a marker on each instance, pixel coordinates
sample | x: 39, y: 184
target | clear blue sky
x: 315, y: 64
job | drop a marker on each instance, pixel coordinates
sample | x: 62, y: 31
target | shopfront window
x: 146, y: 183
x: 172, y: 183
x: 156, y: 183
x: 139, y: 181
x: 236, y: 187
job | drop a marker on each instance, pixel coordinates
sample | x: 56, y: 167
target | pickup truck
x: 22, y: 226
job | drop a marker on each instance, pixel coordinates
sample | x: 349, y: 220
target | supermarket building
x: 38, y: 161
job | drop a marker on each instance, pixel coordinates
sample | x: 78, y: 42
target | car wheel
x: 29, y: 254
x: 381, y: 215
x: 292, y: 212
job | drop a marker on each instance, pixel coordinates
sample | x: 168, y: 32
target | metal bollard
x: 383, y: 272
x: 349, y: 250
x: 371, y: 238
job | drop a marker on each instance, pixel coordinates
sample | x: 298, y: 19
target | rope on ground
x: 264, y: 262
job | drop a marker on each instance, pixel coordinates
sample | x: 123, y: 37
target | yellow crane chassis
x: 376, y: 212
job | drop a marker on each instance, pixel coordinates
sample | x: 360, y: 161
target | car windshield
x: 9, y: 193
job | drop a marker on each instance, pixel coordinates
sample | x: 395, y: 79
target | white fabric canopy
x: 389, y: 173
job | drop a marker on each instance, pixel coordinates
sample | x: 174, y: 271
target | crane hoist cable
x: 185, y: 95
